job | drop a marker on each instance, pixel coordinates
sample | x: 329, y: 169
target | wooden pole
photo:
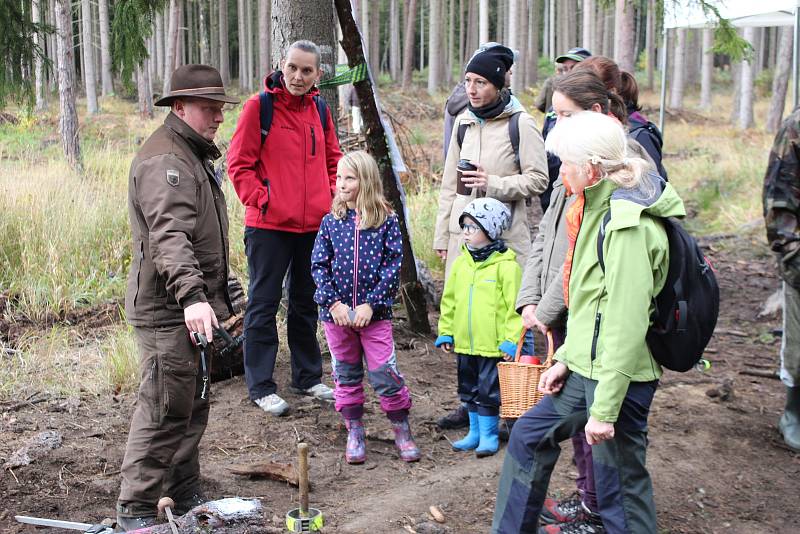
x: 376, y: 136
x: 302, y: 472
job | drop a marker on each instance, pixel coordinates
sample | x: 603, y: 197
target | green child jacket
x: 477, y: 308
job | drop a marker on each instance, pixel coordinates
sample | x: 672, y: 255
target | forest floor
x: 717, y: 462
x: 716, y: 459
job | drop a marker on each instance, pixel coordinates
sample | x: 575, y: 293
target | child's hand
x: 444, y: 342
x: 553, y: 379
x: 447, y: 347
x: 339, y: 314
x: 363, y: 316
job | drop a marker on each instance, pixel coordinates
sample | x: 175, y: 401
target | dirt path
x: 717, y: 462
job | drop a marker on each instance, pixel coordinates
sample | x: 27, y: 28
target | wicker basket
x: 519, y: 382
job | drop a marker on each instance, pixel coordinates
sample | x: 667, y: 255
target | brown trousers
x: 162, y: 457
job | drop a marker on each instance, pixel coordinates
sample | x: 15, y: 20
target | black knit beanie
x: 492, y: 64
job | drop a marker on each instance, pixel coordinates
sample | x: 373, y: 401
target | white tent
x: 740, y: 13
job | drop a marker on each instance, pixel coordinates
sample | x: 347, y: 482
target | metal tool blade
x: 55, y: 523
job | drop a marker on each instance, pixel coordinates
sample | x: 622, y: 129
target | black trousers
x: 478, y: 384
x: 270, y: 253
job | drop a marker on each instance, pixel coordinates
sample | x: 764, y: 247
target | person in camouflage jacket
x: 782, y: 217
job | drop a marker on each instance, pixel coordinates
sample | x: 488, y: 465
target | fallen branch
x: 271, y: 470
x: 759, y: 373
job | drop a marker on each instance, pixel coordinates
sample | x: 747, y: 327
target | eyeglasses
x: 469, y: 229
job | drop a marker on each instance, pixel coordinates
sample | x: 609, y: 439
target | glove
x: 509, y: 348
x: 441, y: 340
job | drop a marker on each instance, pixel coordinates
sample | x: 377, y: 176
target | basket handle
x: 548, y: 336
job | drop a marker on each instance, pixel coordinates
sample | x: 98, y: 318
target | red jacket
x: 288, y: 183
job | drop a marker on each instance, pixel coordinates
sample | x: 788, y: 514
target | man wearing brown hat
x: 177, y: 286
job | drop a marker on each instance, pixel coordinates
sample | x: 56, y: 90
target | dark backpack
x: 648, y: 135
x: 265, y: 112
x: 687, y: 307
x: 513, y: 134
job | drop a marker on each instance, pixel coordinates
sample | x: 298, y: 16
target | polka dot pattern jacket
x: 357, y: 266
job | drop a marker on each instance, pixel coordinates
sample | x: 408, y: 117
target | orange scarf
x: 574, y: 218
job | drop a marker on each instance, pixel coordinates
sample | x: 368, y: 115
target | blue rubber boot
x: 471, y: 440
x: 488, y: 435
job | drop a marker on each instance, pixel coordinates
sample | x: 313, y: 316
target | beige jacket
x: 543, y: 275
x: 489, y: 145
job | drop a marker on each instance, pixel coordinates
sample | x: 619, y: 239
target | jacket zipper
x: 265, y: 207
x: 355, y: 258
x: 313, y: 142
x: 596, y: 333
x: 469, y: 316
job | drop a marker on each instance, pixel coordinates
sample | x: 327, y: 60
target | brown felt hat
x: 200, y: 81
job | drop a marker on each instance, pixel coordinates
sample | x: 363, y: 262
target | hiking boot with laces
x: 273, y: 405
x: 562, y: 511
x: 585, y: 522
x: 458, y: 418
x: 320, y: 392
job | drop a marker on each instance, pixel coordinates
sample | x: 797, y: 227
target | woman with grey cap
x: 487, y: 148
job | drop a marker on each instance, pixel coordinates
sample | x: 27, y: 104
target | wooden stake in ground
x: 410, y: 289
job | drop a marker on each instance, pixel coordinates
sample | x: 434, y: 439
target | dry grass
x: 64, y: 238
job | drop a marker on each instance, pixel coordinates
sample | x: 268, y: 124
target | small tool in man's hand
x: 165, y: 504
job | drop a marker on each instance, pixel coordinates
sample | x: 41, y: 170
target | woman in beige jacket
x: 487, y: 145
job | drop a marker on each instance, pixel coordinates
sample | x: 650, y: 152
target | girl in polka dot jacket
x: 356, y: 266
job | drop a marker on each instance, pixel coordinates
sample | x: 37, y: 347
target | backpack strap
x: 266, y: 108
x: 265, y: 113
x: 601, y: 236
x: 322, y: 109
x: 462, y: 131
x: 513, y: 135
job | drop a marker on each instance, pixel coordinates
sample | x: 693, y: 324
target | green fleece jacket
x: 609, y: 314
x: 477, y: 307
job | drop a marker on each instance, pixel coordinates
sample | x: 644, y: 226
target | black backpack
x: 687, y: 307
x: 638, y: 130
x: 265, y: 113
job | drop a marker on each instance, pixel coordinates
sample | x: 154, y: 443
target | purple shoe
x: 356, y: 451
x: 409, y: 452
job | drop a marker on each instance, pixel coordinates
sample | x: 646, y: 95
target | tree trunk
x: 411, y: 291
x: 679, y: 70
x: 394, y: 40
x: 421, y: 35
x: 748, y: 75
x: 521, y: 67
x: 202, y: 30
x: 472, y: 29
x: 513, y: 24
x: 500, y: 24
x: 213, y: 33
x: 707, y: 69
x: 624, y: 34
x: 313, y: 20
x: 144, y: 90
x: 189, y: 41
x: 649, y: 38
x: 451, y: 42
x: 105, y: 49
x: 224, y: 53
x: 375, y: 37
x: 180, y: 47
x: 264, y: 35
x: 68, y: 116
x: 587, y: 26
x: 88, y: 57
x: 158, y: 60
x: 608, y: 32
x: 434, y: 77
x: 552, y: 30
x: 534, y: 36
x: 361, y: 8
x: 483, y: 21
x: 251, y: 60
x: 780, y: 82
x: 38, y: 63
x: 241, y: 18
x: 409, y: 40
x: 171, y: 43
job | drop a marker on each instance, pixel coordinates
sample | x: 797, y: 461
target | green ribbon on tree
x: 356, y: 74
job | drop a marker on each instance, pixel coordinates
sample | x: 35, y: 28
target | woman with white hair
x: 604, y: 377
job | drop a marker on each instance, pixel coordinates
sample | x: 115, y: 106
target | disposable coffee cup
x: 463, y: 165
